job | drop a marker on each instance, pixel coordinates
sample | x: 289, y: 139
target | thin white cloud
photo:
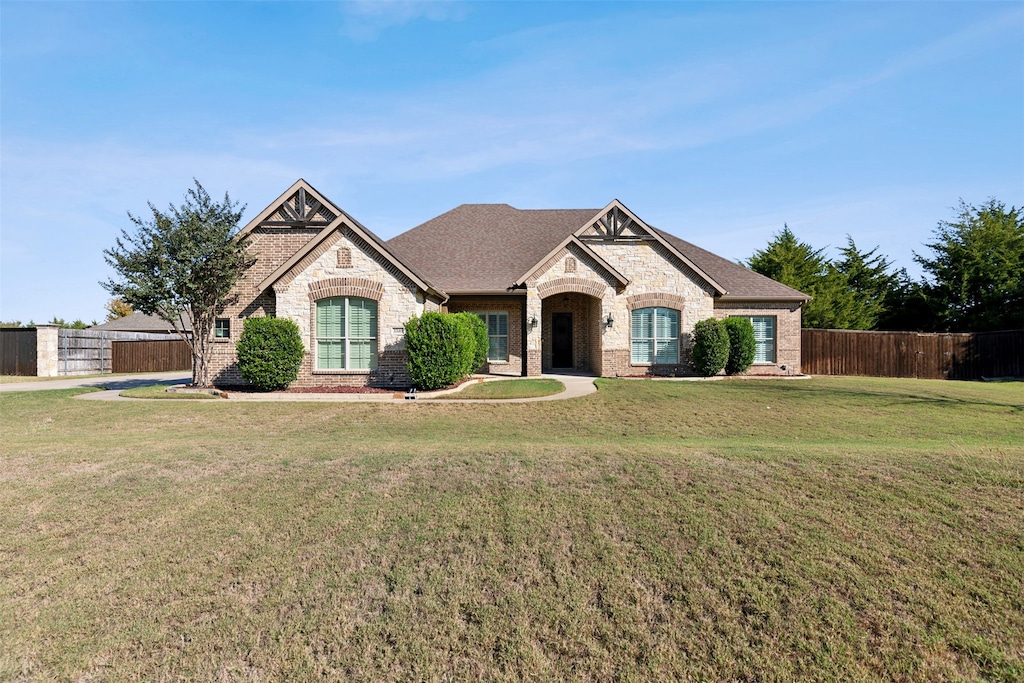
x: 365, y: 20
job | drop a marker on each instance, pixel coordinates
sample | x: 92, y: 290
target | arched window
x: 346, y: 333
x: 655, y: 335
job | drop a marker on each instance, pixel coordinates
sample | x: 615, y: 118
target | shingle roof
x: 739, y: 281
x: 485, y: 247
x: 488, y: 247
x: 139, y: 322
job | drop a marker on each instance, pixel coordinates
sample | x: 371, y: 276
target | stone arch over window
x: 571, y: 284
x: 658, y: 299
x: 361, y: 287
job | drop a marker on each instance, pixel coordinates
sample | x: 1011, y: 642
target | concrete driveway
x: 113, y: 382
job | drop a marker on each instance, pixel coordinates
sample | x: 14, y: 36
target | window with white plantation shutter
x: 497, y: 334
x: 346, y: 334
x: 654, y: 335
x: 764, y: 338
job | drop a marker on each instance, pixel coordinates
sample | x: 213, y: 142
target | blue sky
x: 718, y: 122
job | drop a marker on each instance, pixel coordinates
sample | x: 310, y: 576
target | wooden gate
x: 18, y: 351
x: 150, y: 356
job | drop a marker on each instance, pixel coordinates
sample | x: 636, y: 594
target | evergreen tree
x: 800, y: 266
x: 977, y: 271
x: 867, y: 276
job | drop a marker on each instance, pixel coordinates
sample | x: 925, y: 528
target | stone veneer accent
x: 656, y: 278
x: 571, y: 284
x: 346, y: 286
x: 316, y: 276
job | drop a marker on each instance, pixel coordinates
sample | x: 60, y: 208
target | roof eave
x: 719, y: 289
x: 573, y: 239
x: 733, y: 298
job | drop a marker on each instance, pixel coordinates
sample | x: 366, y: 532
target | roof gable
x: 616, y: 222
x: 618, y: 277
x: 301, y: 206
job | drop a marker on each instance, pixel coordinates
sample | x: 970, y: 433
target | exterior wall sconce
x: 533, y: 321
x: 609, y: 321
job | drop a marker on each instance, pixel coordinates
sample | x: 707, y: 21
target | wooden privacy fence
x: 18, y: 351
x: 962, y: 355
x: 150, y: 356
x: 49, y: 351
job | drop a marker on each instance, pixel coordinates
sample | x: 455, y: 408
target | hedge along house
x: 588, y: 290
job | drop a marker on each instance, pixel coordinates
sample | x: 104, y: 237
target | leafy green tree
x: 182, y: 263
x: 116, y: 308
x: 976, y: 275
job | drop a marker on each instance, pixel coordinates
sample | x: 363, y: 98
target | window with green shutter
x: 346, y: 334
x: 654, y: 335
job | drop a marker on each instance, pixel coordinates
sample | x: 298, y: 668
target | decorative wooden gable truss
x: 616, y: 223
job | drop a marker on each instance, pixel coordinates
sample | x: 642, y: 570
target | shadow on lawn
x: 894, y: 396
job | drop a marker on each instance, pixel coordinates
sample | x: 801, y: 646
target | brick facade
x: 513, y: 305
x: 599, y: 282
x: 787, y: 333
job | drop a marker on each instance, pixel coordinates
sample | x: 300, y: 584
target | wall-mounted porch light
x: 609, y: 321
x: 533, y: 321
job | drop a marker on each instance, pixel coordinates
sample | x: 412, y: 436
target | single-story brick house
x: 593, y: 290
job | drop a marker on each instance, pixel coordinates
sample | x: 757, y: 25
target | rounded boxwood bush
x: 270, y: 352
x: 742, y: 345
x: 710, y: 347
x: 441, y: 348
x: 478, y: 330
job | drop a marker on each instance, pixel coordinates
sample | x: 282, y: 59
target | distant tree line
x: 116, y: 308
x: 973, y: 279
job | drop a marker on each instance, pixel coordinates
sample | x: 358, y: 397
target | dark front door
x: 561, y: 340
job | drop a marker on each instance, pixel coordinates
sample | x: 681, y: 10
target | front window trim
x: 346, y: 339
x: 492, y: 346
x: 660, y: 339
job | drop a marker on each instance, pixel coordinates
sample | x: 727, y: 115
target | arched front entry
x: 571, y: 326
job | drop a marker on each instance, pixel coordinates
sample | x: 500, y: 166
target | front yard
x: 822, y: 529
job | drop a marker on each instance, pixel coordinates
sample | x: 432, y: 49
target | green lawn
x: 507, y: 388
x: 830, y: 529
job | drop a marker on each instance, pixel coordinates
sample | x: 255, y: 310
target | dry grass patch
x: 829, y: 529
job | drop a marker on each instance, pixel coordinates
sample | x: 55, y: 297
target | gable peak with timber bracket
x: 616, y: 223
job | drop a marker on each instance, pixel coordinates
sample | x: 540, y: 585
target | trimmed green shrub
x: 478, y: 330
x: 442, y: 348
x: 270, y: 352
x: 710, y: 347
x: 742, y: 345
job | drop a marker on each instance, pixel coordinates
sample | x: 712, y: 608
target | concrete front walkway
x: 575, y: 385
